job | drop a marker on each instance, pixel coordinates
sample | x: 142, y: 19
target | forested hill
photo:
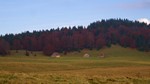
x: 96, y: 36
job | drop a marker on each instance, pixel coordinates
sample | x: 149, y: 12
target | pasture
x: 119, y: 66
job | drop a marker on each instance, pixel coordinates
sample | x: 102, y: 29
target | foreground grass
x: 120, y: 66
x: 66, y: 78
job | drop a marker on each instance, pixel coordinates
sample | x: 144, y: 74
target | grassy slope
x: 121, y: 65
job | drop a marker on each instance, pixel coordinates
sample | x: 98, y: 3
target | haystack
x: 86, y: 55
x: 56, y: 55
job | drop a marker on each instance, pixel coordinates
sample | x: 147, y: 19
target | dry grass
x: 121, y: 66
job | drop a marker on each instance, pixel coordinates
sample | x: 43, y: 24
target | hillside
x: 97, y: 35
x: 121, y: 65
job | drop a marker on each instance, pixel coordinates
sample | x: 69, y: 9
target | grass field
x: 119, y: 66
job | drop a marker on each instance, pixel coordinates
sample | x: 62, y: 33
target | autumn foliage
x: 4, y: 47
x: 95, y: 36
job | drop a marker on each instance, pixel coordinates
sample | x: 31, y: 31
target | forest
x: 96, y: 35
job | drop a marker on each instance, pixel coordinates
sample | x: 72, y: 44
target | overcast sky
x: 17, y: 16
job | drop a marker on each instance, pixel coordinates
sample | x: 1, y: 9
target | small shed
x: 55, y: 54
x: 86, y: 55
x: 102, y: 55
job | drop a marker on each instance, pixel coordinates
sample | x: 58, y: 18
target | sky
x: 18, y: 16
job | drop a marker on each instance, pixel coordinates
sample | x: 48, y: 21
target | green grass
x: 119, y: 66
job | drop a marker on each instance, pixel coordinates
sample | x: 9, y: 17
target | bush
x: 27, y: 53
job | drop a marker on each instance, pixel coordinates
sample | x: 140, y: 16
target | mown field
x: 119, y: 66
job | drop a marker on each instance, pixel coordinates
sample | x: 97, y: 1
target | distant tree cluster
x: 96, y: 36
x: 4, y: 47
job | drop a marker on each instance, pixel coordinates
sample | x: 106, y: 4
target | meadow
x: 119, y: 66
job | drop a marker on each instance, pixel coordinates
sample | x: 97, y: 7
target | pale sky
x: 17, y: 16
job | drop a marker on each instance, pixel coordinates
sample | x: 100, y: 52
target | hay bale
x: 56, y: 55
x: 86, y: 55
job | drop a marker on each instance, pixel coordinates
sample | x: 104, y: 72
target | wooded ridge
x: 97, y: 35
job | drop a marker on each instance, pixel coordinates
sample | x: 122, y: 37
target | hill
x: 120, y: 65
x: 97, y: 35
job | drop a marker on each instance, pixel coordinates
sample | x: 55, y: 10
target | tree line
x: 97, y: 35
